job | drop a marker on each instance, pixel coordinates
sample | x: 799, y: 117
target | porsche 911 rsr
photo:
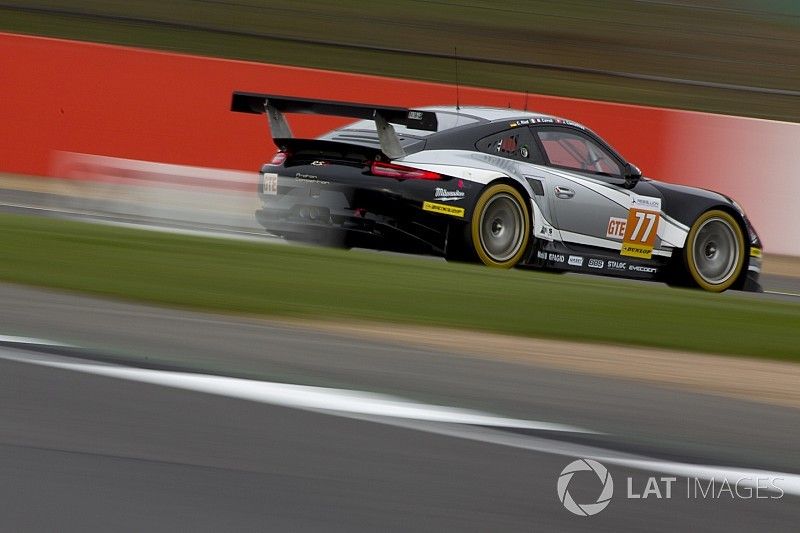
x: 500, y: 186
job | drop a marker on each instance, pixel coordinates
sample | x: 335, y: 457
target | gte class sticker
x: 616, y: 228
x: 443, y: 209
x: 641, y: 227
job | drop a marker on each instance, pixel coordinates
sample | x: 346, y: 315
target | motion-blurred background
x: 65, y: 103
x: 118, y: 113
x: 726, y: 56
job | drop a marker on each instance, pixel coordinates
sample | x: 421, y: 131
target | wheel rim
x: 715, y: 251
x: 501, y: 231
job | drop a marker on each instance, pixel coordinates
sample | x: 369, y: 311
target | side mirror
x: 632, y: 175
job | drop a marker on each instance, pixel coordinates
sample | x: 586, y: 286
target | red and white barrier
x: 64, y: 96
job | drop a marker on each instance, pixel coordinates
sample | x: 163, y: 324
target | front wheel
x: 500, y: 226
x: 715, y: 249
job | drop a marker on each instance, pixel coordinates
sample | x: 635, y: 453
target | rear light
x: 390, y: 170
x: 279, y: 158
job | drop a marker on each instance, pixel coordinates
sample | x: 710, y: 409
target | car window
x: 517, y: 143
x: 573, y: 150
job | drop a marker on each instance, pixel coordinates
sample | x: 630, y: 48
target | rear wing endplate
x: 275, y: 107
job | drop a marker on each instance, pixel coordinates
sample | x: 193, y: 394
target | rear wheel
x: 715, y: 249
x: 500, y: 226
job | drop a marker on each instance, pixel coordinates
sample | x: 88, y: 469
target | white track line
x: 783, y: 293
x: 788, y: 483
x: 29, y: 340
x: 380, y: 408
x: 320, y: 399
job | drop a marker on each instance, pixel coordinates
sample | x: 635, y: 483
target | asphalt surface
x: 85, y: 452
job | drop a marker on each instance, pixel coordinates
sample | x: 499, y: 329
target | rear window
x: 516, y: 143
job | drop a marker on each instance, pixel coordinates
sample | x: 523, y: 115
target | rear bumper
x: 340, y: 208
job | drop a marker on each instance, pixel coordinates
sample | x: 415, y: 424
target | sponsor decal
x: 415, y: 115
x: 636, y: 250
x: 310, y: 178
x: 541, y: 255
x: 642, y: 268
x: 647, y: 203
x: 556, y: 258
x: 755, y: 252
x: 575, y: 260
x: 443, y: 209
x: 641, y: 227
x: 596, y: 263
x: 317, y: 163
x: 617, y: 265
x: 270, y: 183
x: 616, y: 228
x: 443, y: 195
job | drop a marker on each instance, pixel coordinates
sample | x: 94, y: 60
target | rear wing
x: 384, y: 117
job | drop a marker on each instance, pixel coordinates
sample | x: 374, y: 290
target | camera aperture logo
x: 585, y: 509
x: 719, y: 485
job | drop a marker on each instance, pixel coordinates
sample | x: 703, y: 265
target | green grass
x: 732, y: 43
x: 276, y: 280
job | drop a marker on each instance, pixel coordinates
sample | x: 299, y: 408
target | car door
x: 521, y: 157
x: 588, y: 207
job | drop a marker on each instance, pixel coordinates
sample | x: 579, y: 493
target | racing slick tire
x: 500, y: 226
x: 715, y: 249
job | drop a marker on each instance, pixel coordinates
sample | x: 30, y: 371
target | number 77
x: 641, y: 216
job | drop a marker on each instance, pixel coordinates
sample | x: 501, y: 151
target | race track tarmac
x: 84, y: 451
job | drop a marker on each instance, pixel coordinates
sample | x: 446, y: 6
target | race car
x: 502, y: 187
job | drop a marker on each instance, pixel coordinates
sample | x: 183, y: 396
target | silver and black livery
x: 500, y: 186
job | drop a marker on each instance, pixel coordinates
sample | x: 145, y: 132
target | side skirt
x: 589, y: 260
